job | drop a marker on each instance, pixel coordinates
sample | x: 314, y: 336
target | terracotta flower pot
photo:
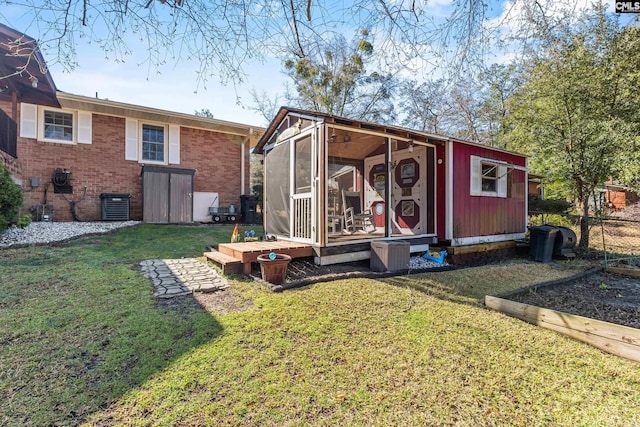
x: 274, y: 270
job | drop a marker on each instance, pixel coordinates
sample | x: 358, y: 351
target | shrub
x: 548, y: 205
x: 24, y: 221
x: 10, y: 199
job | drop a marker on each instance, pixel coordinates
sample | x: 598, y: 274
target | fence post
x: 604, y: 245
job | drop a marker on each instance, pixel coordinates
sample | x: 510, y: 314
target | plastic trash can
x: 541, y: 242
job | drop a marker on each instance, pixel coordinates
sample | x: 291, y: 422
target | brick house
x: 73, y: 154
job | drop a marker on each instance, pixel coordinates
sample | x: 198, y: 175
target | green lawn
x: 83, y: 340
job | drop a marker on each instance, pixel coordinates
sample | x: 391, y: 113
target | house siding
x: 101, y: 168
x: 441, y: 190
x: 475, y: 216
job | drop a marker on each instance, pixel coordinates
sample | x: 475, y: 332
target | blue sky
x: 174, y: 86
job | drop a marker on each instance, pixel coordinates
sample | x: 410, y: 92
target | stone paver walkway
x: 176, y: 277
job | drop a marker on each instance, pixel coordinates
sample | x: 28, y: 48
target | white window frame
x: 42, y: 124
x: 476, y: 177
x: 133, y: 142
x: 492, y: 175
x: 165, y: 143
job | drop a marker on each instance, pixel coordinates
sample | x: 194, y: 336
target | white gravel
x: 49, y: 232
x: 419, y: 263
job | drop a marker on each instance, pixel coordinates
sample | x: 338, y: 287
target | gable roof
x: 283, y: 112
x: 390, y: 130
x: 238, y: 131
x: 23, y: 70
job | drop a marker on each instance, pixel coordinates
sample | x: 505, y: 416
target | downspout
x: 243, y: 161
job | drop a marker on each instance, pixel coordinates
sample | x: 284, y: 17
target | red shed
x: 340, y: 184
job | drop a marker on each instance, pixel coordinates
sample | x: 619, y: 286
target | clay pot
x: 274, y: 270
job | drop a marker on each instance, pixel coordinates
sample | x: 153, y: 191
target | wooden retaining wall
x: 616, y: 339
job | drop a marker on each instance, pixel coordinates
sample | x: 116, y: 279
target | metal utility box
x: 115, y: 206
x: 389, y: 256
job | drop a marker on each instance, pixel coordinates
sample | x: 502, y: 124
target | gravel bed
x: 40, y: 233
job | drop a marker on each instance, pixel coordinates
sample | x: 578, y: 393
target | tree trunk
x: 584, y: 224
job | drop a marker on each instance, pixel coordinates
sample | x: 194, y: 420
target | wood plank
x: 616, y: 339
x: 627, y: 271
x: 220, y: 257
x: 248, y: 252
x: 228, y: 264
x: 483, y: 247
x: 342, y: 258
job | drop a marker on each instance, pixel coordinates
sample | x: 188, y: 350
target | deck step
x: 229, y: 264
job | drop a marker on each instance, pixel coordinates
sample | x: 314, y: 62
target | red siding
x: 484, y: 216
x: 101, y: 167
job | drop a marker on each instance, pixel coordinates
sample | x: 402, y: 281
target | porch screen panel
x: 277, y: 193
x: 303, y: 166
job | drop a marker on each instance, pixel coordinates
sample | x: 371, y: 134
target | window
x: 55, y: 124
x: 153, y: 143
x: 58, y: 125
x: 489, y: 177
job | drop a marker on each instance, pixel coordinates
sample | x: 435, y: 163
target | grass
x: 82, y: 340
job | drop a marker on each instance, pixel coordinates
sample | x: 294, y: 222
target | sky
x: 174, y: 85
x: 174, y: 88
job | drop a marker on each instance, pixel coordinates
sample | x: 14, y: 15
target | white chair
x: 355, y: 218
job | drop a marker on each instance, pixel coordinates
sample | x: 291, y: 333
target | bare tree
x: 221, y: 36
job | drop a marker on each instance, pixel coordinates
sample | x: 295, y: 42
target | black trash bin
x: 541, y: 241
x: 564, y: 243
x: 248, y: 205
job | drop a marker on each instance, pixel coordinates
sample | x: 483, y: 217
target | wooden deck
x: 248, y: 252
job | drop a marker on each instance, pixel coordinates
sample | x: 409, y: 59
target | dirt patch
x: 608, y: 297
x: 220, y: 302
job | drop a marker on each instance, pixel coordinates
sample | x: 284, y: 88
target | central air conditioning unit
x: 115, y: 206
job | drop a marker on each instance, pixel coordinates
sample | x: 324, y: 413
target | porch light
x: 410, y: 145
x: 34, y: 82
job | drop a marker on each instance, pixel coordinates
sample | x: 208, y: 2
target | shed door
x: 167, y: 195
x: 408, y: 192
x: 156, y: 197
x: 181, y: 194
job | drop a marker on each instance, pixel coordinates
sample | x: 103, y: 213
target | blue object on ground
x: 439, y: 259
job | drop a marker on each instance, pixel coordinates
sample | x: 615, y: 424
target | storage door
x: 181, y: 202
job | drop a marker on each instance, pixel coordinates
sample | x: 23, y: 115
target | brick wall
x: 101, y: 168
x: 216, y: 159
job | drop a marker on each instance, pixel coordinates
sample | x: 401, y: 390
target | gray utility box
x: 389, y: 256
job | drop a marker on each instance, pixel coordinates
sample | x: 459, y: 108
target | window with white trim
x: 153, y: 143
x: 489, y: 177
x: 55, y: 124
x: 58, y: 125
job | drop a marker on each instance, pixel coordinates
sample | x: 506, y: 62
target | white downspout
x: 242, y: 163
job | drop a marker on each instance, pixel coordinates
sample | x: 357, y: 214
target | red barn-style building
x: 340, y: 184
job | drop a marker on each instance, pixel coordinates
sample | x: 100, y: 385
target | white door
x: 408, y: 210
x: 302, y: 179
